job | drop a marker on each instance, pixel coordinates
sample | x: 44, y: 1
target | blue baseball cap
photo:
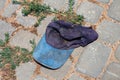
x: 49, y: 56
x: 59, y: 41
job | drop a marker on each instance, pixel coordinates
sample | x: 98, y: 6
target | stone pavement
x: 99, y: 60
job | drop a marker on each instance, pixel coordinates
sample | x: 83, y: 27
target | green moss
x: 2, y: 43
x: 5, y: 41
x: 14, y: 55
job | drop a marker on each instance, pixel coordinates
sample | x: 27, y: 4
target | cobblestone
x: 2, y: 4
x: 114, y: 10
x: 117, y: 54
x: 59, y: 73
x: 113, y: 72
x: 5, y: 28
x: 9, y: 10
x: 26, y: 21
x: 42, y: 27
x: 77, y: 52
x: 25, y: 71
x: 57, y: 4
x: 75, y: 77
x: 109, y: 31
x: 39, y: 78
x: 22, y: 39
x: 90, y: 11
x: 93, y: 59
x: 103, y: 1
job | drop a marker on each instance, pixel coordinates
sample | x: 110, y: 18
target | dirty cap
x: 65, y: 35
x: 59, y: 41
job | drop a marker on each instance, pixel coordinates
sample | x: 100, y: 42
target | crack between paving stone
x: 110, y: 60
x: 113, y: 74
x: 6, y: 4
x: 39, y: 72
x: 46, y: 76
x: 77, y: 5
x: 36, y: 72
x: 73, y: 70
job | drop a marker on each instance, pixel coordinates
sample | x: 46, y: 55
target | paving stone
x: 113, y: 72
x: 117, y: 54
x: 103, y: 1
x: 114, y: 10
x: 39, y: 78
x: 26, y: 21
x: 42, y: 27
x: 2, y: 4
x: 109, y: 31
x: 59, y: 73
x: 5, y: 28
x: 25, y: 71
x: 75, y: 77
x: 93, y: 59
x: 57, y: 4
x: 77, y: 52
x: 22, y: 39
x: 90, y: 11
x: 76, y: 4
x: 10, y: 9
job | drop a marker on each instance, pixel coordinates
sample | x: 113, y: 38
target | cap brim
x: 49, y: 56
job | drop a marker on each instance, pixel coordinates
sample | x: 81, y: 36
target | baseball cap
x: 59, y: 41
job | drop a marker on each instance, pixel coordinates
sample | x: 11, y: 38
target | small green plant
x: 71, y: 3
x: 7, y: 37
x: 39, y: 20
x: 16, y: 2
x: 5, y: 41
x: 70, y: 15
x: 25, y: 11
x: 2, y: 43
x: 14, y: 55
x: 35, y: 8
x: 33, y: 45
x: 40, y: 10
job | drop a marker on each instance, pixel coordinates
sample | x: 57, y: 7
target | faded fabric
x: 65, y: 35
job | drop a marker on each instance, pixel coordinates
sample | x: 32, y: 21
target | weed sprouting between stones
x: 3, y: 42
x: 14, y: 55
x: 41, y: 11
